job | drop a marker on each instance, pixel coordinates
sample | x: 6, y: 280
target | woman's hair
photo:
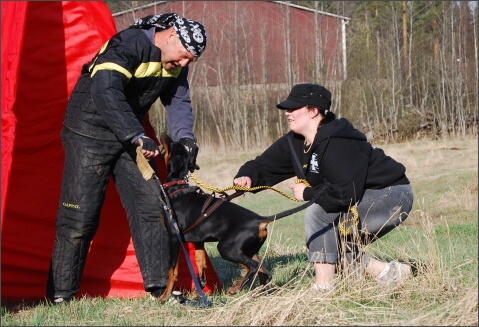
x: 328, y: 115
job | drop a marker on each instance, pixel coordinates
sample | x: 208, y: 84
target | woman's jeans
x: 380, y: 211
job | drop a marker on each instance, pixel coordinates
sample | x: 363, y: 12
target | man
x: 102, y: 129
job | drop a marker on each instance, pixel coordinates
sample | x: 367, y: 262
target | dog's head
x: 176, y: 159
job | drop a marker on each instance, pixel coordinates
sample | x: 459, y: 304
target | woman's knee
x: 383, y: 210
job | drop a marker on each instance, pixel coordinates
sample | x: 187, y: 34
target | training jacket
x: 340, y: 156
x: 117, y: 88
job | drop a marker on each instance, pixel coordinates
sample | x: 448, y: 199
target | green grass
x: 440, y: 240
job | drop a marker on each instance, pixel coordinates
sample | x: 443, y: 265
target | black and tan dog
x: 240, y: 232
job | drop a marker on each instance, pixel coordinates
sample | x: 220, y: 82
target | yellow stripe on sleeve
x: 147, y: 69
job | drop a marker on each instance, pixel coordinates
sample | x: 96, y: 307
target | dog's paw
x: 232, y: 291
x: 235, y: 288
x: 202, y: 280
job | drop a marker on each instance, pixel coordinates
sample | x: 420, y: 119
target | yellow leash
x: 246, y: 189
x: 345, y: 231
x: 354, y: 220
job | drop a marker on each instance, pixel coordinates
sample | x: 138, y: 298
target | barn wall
x: 249, y: 42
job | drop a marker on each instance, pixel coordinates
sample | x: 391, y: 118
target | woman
x: 343, y: 173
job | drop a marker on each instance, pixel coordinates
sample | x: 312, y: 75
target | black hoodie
x: 340, y: 156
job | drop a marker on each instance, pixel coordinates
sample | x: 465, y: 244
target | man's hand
x: 149, y: 148
x: 192, y: 149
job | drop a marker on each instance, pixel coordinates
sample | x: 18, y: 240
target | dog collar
x: 169, y: 184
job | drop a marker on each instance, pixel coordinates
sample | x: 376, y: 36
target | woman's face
x: 299, y: 120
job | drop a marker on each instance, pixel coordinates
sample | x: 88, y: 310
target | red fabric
x: 44, y: 45
x: 13, y: 18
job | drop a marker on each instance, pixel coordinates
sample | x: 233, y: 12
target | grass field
x: 440, y: 240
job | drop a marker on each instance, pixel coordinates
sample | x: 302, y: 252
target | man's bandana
x: 191, y: 33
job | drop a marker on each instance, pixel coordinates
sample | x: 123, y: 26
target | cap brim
x: 288, y: 104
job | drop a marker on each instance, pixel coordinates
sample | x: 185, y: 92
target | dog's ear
x: 166, y: 142
x: 178, y: 163
x: 175, y: 169
x: 176, y: 159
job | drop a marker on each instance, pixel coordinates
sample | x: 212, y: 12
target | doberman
x: 240, y: 232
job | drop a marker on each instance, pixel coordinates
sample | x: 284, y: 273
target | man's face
x: 174, y: 54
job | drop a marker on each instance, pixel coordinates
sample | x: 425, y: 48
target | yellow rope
x: 246, y: 189
x: 303, y: 181
x: 354, y: 220
x: 345, y: 231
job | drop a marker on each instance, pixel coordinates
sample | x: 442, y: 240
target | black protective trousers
x: 89, y: 163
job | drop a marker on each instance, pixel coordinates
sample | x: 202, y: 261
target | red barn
x: 259, y: 42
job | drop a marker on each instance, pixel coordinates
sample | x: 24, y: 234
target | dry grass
x: 438, y: 240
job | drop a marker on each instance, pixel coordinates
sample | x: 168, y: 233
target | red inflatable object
x: 44, y: 45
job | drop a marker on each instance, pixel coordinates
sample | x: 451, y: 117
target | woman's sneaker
x: 322, y: 289
x: 397, y: 273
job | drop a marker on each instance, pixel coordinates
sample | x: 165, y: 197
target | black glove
x: 192, y: 148
x: 146, y: 143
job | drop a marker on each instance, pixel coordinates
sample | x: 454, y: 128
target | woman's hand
x: 244, y: 181
x: 298, y: 189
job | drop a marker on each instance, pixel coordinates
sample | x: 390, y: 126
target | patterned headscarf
x: 191, y: 33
